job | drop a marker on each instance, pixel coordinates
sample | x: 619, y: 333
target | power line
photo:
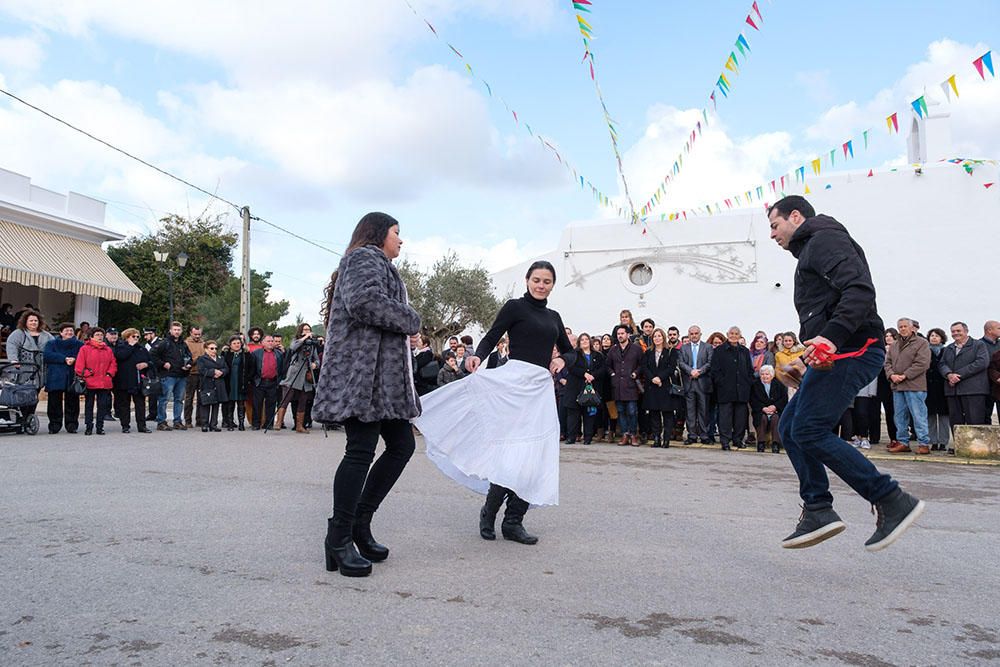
x: 119, y: 150
x: 301, y: 238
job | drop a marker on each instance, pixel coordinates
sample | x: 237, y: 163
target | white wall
x: 930, y: 239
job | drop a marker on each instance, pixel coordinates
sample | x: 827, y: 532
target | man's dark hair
x: 467, y: 340
x: 960, y: 324
x: 648, y: 319
x: 614, y: 332
x: 669, y: 329
x: 785, y: 206
x: 453, y: 338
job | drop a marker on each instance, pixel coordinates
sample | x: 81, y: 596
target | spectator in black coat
x: 768, y: 398
x: 425, y: 366
x: 938, y: 424
x: 238, y: 382
x: 212, y: 390
x: 732, y: 377
x: 660, y: 364
x: 134, y: 362
x: 587, y: 369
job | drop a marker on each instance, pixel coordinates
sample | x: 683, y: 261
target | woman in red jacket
x: 96, y: 364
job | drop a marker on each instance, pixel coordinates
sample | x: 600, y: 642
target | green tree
x: 208, y: 244
x: 219, y: 312
x: 450, y: 297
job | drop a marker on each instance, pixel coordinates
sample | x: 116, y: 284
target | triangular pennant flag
x: 987, y: 185
x: 457, y: 52
x: 949, y: 87
x: 741, y: 41
x: 715, y: 104
x: 865, y: 134
x: 751, y: 23
x: 800, y: 173
x: 772, y: 186
x: 723, y: 79
x: 807, y: 189
x: 757, y: 10
x: 920, y: 106
x: 893, y: 123
x: 849, y: 148
x: 832, y: 153
x: 870, y: 173
x: 731, y: 64
x: 782, y: 182
x: 987, y: 60
x: 816, y: 166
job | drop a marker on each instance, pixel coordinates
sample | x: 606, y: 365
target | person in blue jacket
x: 60, y: 355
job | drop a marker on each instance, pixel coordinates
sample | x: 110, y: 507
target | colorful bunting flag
x: 984, y: 60
x: 920, y: 106
x: 742, y: 45
x: 833, y: 151
x: 808, y: 191
x: 949, y: 86
x: 751, y: 23
x: 871, y: 172
x: 848, y: 148
x: 893, y: 123
x: 816, y: 166
x: 757, y: 11
x: 865, y: 134
x: 800, y: 174
x: 988, y: 185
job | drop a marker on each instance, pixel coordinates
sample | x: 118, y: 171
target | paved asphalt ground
x: 192, y: 548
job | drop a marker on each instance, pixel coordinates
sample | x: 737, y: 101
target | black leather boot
x: 341, y: 554
x: 512, y: 526
x: 362, y: 534
x: 775, y: 448
x: 488, y: 514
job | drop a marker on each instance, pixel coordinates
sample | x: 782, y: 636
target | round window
x: 640, y: 274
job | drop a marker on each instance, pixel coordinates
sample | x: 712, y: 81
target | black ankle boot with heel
x: 341, y: 555
x: 363, y: 539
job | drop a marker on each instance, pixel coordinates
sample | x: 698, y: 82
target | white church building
x: 929, y: 231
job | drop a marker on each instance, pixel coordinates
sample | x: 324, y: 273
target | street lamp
x: 161, y: 258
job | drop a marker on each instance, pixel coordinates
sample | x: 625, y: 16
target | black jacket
x: 732, y: 373
x: 129, y: 378
x: 245, y: 369
x: 834, y: 293
x: 658, y: 397
x: 760, y: 400
x: 209, y: 383
x: 425, y: 372
x: 936, y: 402
x: 574, y: 378
x: 175, y: 352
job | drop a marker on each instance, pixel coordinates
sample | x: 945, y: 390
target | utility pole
x: 245, y: 277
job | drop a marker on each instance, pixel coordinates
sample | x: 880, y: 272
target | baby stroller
x: 18, y: 390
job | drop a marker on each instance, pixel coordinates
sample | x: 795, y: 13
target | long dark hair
x: 371, y: 229
x: 541, y: 264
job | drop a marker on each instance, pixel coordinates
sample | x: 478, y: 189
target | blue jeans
x: 628, y: 416
x: 171, y: 386
x: 909, y: 404
x: 806, y: 429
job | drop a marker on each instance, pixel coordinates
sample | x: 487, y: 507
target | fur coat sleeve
x: 367, y: 367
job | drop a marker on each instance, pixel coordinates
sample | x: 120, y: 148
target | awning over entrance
x: 45, y: 259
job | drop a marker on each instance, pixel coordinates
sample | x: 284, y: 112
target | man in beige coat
x: 906, y: 367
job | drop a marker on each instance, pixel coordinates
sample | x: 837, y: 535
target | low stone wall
x: 977, y: 442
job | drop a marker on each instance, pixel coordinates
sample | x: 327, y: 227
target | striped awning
x: 45, y: 259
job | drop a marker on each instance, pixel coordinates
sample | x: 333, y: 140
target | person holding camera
x: 299, y: 384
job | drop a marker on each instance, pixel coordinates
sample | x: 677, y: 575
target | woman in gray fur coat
x: 366, y: 384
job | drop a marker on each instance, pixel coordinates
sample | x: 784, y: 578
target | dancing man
x: 842, y: 331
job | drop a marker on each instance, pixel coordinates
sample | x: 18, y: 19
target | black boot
x: 775, y: 448
x: 488, y: 514
x: 760, y: 446
x: 341, y: 554
x: 657, y: 442
x: 362, y: 534
x: 512, y: 526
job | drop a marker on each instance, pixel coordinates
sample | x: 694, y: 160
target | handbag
x: 207, y: 396
x: 588, y: 398
x: 78, y: 386
x: 150, y: 386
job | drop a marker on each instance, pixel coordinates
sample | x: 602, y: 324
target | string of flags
x: 587, y: 33
x: 723, y: 86
x: 585, y: 183
x: 777, y: 185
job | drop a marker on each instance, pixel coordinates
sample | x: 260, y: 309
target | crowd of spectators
x: 637, y: 385
x: 175, y: 382
x: 655, y: 385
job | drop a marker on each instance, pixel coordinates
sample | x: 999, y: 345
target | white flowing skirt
x: 497, y: 425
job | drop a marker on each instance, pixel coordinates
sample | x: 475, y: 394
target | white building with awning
x: 51, y: 253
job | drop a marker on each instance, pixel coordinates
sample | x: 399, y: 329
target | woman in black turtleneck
x: 506, y: 447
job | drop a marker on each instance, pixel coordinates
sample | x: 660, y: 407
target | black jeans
x: 661, y: 423
x: 867, y: 418
x: 63, y: 403
x: 265, y: 398
x: 573, y: 424
x: 358, y: 490
x: 732, y: 422
x: 103, y: 399
x: 125, y: 403
x: 967, y: 410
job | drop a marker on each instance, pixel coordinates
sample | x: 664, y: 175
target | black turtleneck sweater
x: 532, y: 330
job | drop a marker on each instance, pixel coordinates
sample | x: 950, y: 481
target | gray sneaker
x: 894, y: 514
x: 814, y: 527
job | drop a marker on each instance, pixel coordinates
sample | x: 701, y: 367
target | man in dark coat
x: 694, y: 361
x: 835, y: 300
x: 268, y: 363
x: 732, y: 376
x: 963, y: 365
x: 172, y: 360
x: 624, y: 361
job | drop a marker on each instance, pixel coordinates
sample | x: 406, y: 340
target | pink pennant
x: 871, y: 173
x: 987, y: 185
x: 756, y: 9
x: 772, y: 186
x: 751, y: 23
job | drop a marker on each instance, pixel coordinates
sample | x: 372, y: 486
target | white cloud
x: 500, y: 255
x: 973, y: 116
x: 20, y: 56
x: 719, y: 163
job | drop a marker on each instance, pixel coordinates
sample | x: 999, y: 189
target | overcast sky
x: 316, y: 112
